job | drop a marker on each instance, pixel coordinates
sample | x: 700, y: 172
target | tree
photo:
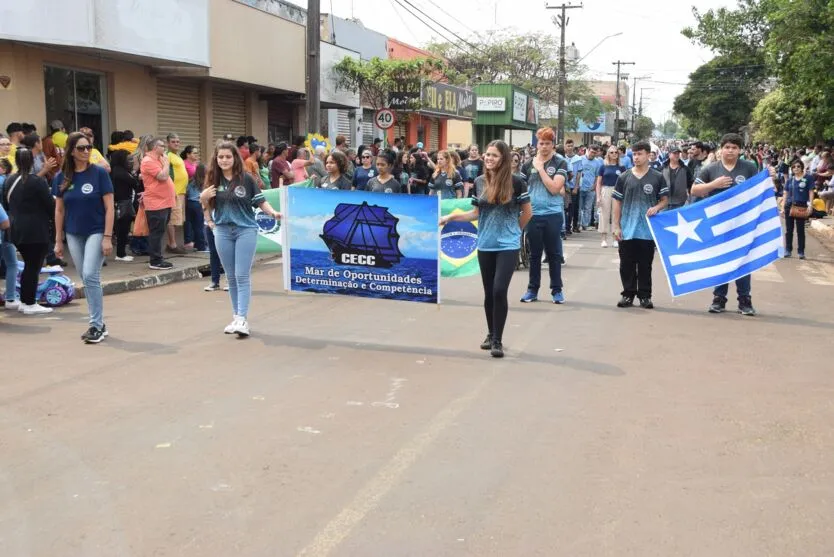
x: 643, y: 127
x: 720, y: 96
x: 376, y: 78
x: 669, y: 128
x: 530, y: 61
x: 778, y: 119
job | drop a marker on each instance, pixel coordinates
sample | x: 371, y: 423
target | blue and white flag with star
x: 721, y: 238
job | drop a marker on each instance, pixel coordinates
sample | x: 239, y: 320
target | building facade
x: 153, y: 67
x: 507, y: 112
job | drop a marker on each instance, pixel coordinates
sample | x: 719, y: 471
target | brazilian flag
x: 458, y: 241
x: 269, y: 229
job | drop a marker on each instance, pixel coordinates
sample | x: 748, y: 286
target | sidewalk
x: 118, y: 277
x: 823, y: 230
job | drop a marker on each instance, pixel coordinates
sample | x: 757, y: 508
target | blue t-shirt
x: 3, y: 218
x: 589, y: 169
x: 799, y: 190
x: 637, y: 196
x: 192, y: 193
x: 498, y: 228
x: 446, y: 186
x: 236, y: 201
x: 626, y: 162
x: 544, y: 202
x: 361, y: 175
x: 573, y: 168
x: 610, y: 173
x: 83, y: 200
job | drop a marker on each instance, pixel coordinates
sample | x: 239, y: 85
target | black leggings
x: 497, y: 268
x: 122, y: 230
x: 33, y: 255
x: 790, y: 222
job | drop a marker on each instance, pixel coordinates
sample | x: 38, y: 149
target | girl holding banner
x: 502, y: 211
x: 229, y: 202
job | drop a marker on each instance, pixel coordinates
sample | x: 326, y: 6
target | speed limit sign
x: 384, y: 118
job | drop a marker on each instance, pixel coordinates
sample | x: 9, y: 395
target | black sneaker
x: 719, y: 304
x: 94, y: 335
x: 161, y: 266
x: 646, y: 303
x: 497, y: 349
x: 745, y: 306
x: 626, y: 302
x: 487, y: 343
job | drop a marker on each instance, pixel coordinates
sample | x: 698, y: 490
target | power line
x: 442, y: 36
x: 456, y: 20
x: 424, y: 14
x: 407, y: 27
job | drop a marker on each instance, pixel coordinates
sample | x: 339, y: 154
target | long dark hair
x: 25, y: 161
x: 69, y: 161
x: 215, y: 173
x: 119, y: 159
x: 199, y: 177
x: 341, y: 160
x: 187, y: 151
x: 499, y: 182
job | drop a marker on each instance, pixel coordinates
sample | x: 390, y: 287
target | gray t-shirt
x: 741, y: 172
x: 341, y: 183
x: 391, y: 186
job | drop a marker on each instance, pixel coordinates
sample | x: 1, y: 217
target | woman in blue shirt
x: 502, y: 211
x: 799, y: 192
x: 606, y: 180
x: 230, y: 198
x: 84, y: 209
x: 446, y: 181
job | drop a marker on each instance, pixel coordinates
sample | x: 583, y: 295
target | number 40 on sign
x: 384, y: 118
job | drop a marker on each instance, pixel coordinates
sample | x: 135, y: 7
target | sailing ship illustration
x: 364, y: 235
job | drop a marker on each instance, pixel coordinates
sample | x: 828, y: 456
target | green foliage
x: 643, y: 127
x: 793, y: 41
x: 720, y: 96
x: 669, y: 128
x: 375, y: 78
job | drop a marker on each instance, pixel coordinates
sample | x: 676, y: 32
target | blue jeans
x: 9, y: 254
x: 214, y: 259
x: 586, y: 207
x: 193, y: 229
x: 742, y: 288
x: 236, y: 248
x: 544, y: 232
x: 87, y: 257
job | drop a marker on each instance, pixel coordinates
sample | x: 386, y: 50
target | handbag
x: 799, y: 211
x: 140, y: 225
x: 124, y: 208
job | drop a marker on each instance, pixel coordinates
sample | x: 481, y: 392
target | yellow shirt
x: 59, y: 138
x: 180, y: 173
x: 95, y: 156
x: 10, y: 156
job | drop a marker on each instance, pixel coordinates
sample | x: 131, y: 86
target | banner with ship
x: 357, y: 243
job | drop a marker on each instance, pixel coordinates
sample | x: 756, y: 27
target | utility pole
x: 634, y: 100
x: 313, y: 66
x: 640, y: 112
x: 561, y: 21
x: 618, y: 63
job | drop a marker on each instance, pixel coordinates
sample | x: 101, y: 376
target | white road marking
x: 354, y: 403
x: 390, y: 397
x: 308, y: 429
x: 815, y: 273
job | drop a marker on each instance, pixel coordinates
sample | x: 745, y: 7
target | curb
x: 822, y: 229
x: 159, y: 279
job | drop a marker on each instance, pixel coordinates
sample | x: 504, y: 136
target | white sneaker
x: 125, y: 259
x: 13, y: 305
x: 231, y: 328
x: 604, y: 243
x: 36, y: 309
x: 242, y: 329
x: 616, y: 244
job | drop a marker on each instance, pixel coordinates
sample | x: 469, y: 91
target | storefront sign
x: 519, y: 107
x: 448, y: 100
x: 492, y: 104
x: 598, y: 126
x: 400, y: 100
x: 356, y: 243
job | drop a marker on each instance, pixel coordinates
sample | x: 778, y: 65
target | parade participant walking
x: 336, y: 165
x: 230, y: 198
x: 30, y: 206
x: 607, y: 177
x: 546, y: 175
x: 640, y: 192
x: 502, y: 211
x: 385, y: 182
x: 84, y: 209
x: 714, y: 178
x: 446, y: 181
x: 679, y: 177
x: 587, y: 170
x: 799, y: 198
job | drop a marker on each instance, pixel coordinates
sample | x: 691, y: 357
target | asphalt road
x: 351, y: 427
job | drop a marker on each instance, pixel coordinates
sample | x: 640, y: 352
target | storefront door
x: 78, y: 99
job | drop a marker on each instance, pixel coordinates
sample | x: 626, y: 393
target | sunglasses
x: 366, y: 156
x: 83, y: 147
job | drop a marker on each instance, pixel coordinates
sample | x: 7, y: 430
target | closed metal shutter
x: 228, y: 112
x: 369, y: 129
x: 342, y: 126
x: 434, y: 135
x: 399, y: 130
x: 178, y: 111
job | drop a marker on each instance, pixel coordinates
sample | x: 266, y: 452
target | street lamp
x: 599, y: 43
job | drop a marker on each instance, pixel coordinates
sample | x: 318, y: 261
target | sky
x: 650, y: 33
